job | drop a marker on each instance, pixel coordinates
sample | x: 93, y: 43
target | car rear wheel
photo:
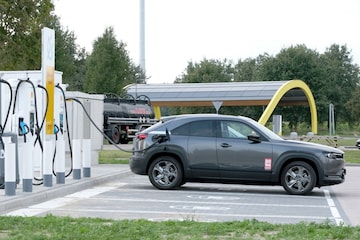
x: 298, y: 178
x: 165, y: 173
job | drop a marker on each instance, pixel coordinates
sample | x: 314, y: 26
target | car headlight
x: 333, y: 155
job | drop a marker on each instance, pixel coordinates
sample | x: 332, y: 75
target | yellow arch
x: 157, y: 112
x: 281, y: 92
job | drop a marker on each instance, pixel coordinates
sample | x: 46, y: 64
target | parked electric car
x: 231, y: 149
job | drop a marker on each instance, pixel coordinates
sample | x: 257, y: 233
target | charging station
x: 33, y: 126
x: 27, y: 103
x: 59, y: 130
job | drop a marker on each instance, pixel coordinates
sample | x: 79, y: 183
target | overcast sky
x: 179, y: 31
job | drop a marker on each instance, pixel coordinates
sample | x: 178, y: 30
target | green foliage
x: 246, y: 70
x: 20, y: 38
x: 109, y: 67
x: 340, y: 78
x: 353, y: 106
x: 207, y: 71
x: 70, y: 59
x: 21, y: 22
x: 51, y: 227
x: 331, y: 76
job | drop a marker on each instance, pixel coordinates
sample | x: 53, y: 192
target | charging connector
x: 23, y: 128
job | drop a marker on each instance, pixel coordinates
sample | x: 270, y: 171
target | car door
x: 240, y: 158
x: 202, y: 150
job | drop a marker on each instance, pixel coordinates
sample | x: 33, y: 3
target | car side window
x: 229, y: 129
x: 202, y: 129
x: 183, y: 130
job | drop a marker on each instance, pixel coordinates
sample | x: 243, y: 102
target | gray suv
x: 231, y: 149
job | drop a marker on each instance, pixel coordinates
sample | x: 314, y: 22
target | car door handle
x: 225, y: 145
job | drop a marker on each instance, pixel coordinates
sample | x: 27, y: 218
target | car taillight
x: 141, y: 136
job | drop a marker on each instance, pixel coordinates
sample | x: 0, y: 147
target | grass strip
x: 52, y: 227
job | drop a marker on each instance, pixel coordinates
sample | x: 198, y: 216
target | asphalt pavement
x: 99, y: 174
x: 346, y: 194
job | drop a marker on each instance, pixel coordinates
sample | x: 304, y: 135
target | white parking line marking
x: 246, y: 216
x: 221, y: 198
x: 203, y: 208
x: 40, y: 208
x: 334, y: 211
x: 148, y: 200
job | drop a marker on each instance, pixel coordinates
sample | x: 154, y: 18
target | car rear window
x: 182, y: 130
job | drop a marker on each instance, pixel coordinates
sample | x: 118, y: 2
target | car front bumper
x: 338, y: 178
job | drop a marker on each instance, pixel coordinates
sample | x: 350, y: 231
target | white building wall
x: 80, y: 126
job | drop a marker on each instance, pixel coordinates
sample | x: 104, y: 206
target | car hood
x: 312, y: 145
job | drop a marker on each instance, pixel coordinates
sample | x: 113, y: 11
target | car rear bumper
x: 137, y: 165
x: 338, y: 178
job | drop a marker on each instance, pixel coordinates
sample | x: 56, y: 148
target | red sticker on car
x: 267, y: 163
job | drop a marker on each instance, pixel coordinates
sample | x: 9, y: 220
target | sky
x: 179, y: 31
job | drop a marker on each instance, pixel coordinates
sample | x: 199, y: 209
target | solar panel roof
x: 203, y: 94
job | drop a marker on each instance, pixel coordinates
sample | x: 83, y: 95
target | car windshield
x: 265, y: 130
x: 269, y: 133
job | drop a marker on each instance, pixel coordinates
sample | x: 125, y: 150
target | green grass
x: 114, y: 157
x: 51, y: 227
x: 352, y: 156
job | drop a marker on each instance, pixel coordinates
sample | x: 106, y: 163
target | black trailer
x: 125, y: 116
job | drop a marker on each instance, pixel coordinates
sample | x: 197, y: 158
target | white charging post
x: 59, y: 108
x: 48, y: 73
x: 10, y: 176
x: 86, y: 157
x: 24, y: 124
x: 77, y: 158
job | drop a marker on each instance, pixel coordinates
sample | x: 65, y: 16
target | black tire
x: 165, y: 173
x: 124, y: 140
x: 298, y: 178
x: 115, y: 134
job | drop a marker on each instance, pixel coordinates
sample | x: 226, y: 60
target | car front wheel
x: 165, y: 173
x: 298, y: 178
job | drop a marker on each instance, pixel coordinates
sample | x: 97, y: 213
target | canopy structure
x: 266, y: 93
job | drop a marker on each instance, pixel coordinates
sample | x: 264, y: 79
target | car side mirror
x: 254, y: 138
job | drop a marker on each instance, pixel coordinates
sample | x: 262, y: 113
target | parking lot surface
x: 133, y: 197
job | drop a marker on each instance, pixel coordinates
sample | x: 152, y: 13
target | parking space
x: 135, y: 198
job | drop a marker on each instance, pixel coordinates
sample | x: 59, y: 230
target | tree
x: 341, y: 77
x: 246, y: 70
x: 69, y: 57
x: 353, y: 106
x: 20, y: 32
x: 109, y: 67
x: 295, y: 62
x: 207, y: 71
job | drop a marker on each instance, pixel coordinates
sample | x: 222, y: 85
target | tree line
x: 332, y: 76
